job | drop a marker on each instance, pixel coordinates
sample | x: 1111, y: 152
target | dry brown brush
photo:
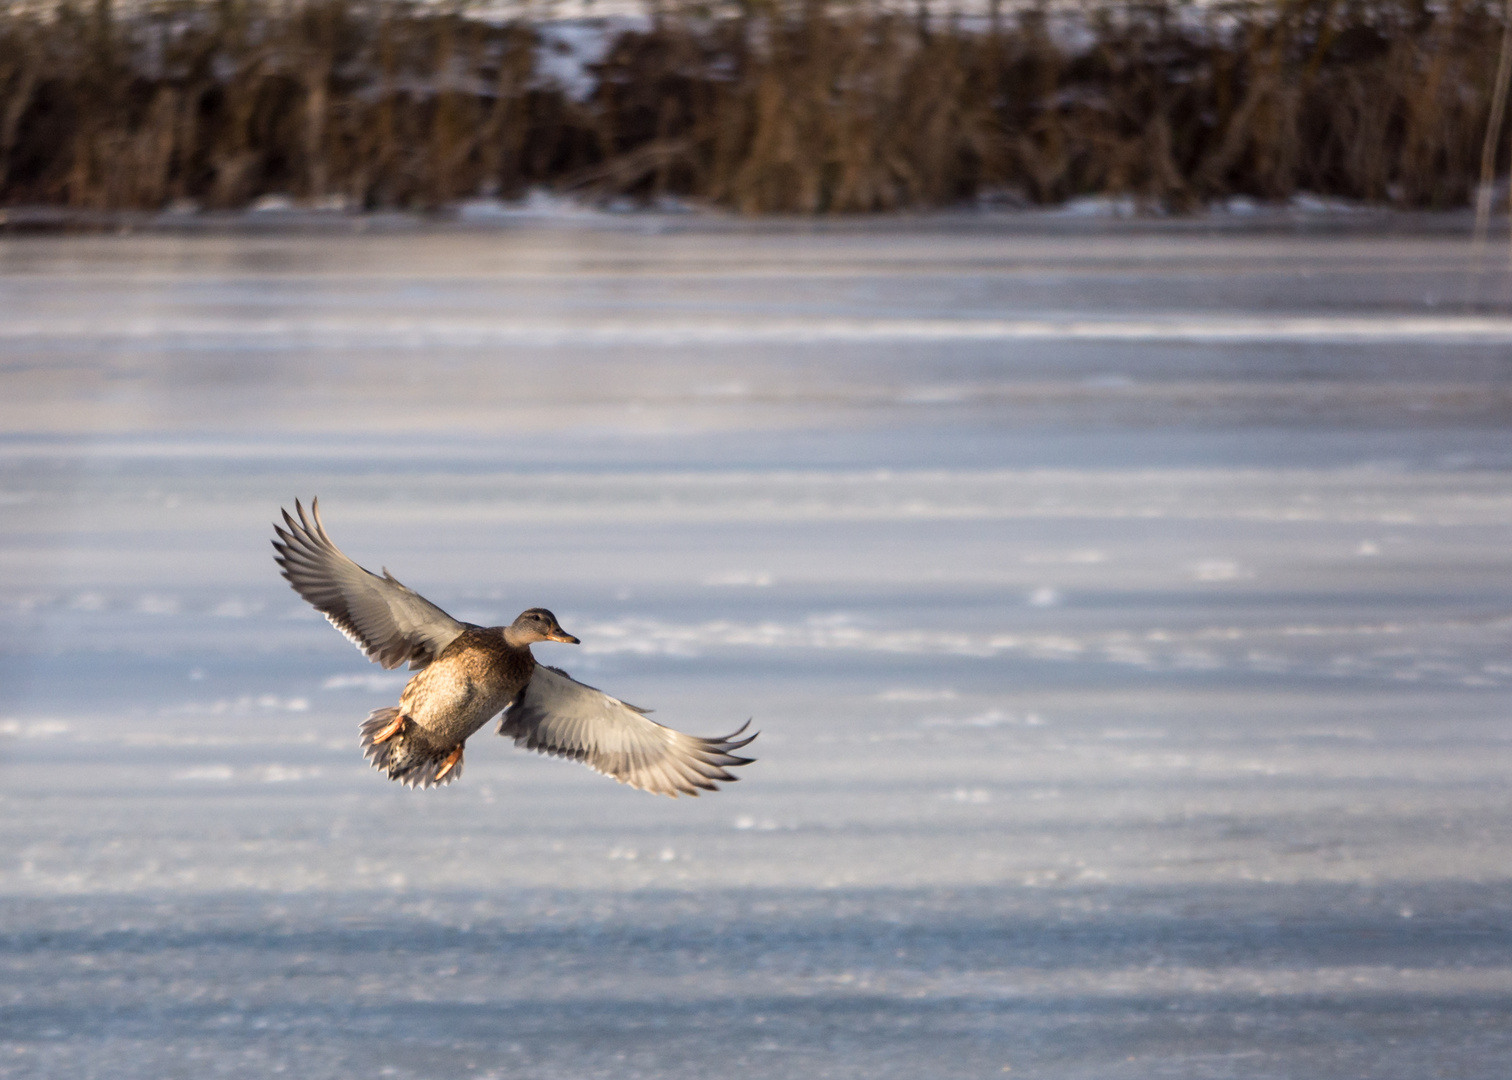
x: 807, y: 106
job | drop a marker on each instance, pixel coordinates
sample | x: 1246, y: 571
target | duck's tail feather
x: 378, y: 753
x: 406, y: 756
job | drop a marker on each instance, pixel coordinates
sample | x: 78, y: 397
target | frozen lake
x: 1127, y: 614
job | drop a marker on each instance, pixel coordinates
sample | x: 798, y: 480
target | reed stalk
x: 796, y: 106
x: 1492, y: 140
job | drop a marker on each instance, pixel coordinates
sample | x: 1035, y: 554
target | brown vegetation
x: 807, y: 106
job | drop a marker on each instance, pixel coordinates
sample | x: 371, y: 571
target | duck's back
x: 471, y: 681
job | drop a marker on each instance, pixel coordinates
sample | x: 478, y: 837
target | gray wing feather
x: 388, y: 622
x: 555, y: 714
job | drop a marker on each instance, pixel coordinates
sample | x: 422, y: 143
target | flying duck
x: 466, y: 674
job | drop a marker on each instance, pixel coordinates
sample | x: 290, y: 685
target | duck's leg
x: 394, y: 727
x: 449, y: 764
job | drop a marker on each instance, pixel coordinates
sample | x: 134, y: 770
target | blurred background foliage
x: 810, y: 106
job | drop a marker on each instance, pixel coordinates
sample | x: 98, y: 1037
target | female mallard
x: 469, y: 673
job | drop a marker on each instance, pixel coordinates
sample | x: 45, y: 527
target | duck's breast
x: 466, y: 685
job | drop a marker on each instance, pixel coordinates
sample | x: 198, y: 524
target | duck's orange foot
x: 449, y: 764
x: 395, y: 727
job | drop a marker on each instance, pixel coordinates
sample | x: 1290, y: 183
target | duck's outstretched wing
x: 555, y: 714
x: 388, y: 622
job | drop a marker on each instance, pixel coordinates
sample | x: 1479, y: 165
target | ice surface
x: 1127, y: 615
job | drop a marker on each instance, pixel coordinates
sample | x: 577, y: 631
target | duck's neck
x: 519, y: 639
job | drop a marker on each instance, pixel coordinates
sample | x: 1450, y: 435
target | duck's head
x: 537, y: 624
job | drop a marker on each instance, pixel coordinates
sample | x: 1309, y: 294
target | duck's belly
x: 451, y: 700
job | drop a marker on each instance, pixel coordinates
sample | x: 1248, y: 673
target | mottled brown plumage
x: 473, y: 679
x: 467, y: 674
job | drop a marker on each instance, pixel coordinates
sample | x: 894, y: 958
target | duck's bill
x: 564, y: 637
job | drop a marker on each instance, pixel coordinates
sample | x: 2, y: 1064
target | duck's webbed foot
x: 379, y: 733
x: 452, y: 761
x: 394, y: 727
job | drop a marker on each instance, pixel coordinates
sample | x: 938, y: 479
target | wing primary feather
x: 388, y: 622
x: 555, y: 714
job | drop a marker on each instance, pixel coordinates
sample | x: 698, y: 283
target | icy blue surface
x: 1127, y: 617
